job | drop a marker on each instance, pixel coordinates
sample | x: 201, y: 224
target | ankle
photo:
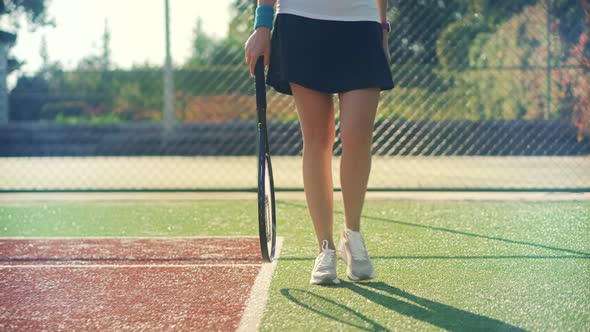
x: 326, y: 244
x: 352, y: 228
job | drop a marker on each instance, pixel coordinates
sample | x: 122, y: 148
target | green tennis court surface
x: 442, y: 265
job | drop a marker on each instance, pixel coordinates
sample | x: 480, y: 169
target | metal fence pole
x: 548, y: 103
x: 3, y: 88
x: 168, y: 77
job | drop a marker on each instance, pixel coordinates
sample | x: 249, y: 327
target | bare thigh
x: 316, y: 115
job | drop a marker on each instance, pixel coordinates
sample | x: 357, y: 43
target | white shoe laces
x: 326, y: 257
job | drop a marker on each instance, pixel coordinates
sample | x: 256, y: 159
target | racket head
x: 266, y: 198
x: 266, y: 203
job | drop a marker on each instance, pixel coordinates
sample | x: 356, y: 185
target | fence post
x: 3, y: 88
x: 548, y: 103
x: 168, y: 77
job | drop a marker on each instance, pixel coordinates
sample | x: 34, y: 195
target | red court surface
x: 126, y: 283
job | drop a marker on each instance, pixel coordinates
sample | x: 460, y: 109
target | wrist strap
x: 264, y: 16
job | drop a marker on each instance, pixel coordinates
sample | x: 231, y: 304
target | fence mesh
x: 489, y: 95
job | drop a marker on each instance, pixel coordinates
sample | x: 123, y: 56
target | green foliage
x: 102, y: 59
x: 452, y: 46
x: 569, y: 18
x: 203, y: 45
x: 456, y: 39
x: 419, y: 75
x: 515, y: 86
x: 241, y: 23
x: 132, y: 95
x: 11, y: 12
x: 416, y: 26
x: 105, y: 119
x: 27, y: 98
x: 443, y: 55
x: 422, y: 104
x: 33, y: 10
x: 139, y: 96
x: 500, y: 59
x: 208, y: 51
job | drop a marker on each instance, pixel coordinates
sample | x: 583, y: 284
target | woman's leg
x: 357, y: 115
x: 316, y: 115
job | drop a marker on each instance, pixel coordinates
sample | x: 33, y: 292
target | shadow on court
x: 452, y: 231
x: 331, y: 309
x: 397, y: 301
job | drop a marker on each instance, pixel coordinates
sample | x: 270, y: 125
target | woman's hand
x: 386, y: 48
x: 258, y: 44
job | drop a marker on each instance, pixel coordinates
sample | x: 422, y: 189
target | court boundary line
x: 157, y: 238
x: 256, y: 303
x: 116, y: 266
x: 160, y: 238
x: 115, y: 237
x: 130, y: 197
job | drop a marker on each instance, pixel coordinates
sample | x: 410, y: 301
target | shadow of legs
x: 435, y: 313
x: 331, y: 309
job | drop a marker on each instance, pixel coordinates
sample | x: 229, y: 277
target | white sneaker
x: 354, y: 254
x: 324, y: 269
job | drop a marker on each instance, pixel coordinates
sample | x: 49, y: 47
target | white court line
x: 160, y: 238
x: 165, y: 237
x: 116, y: 266
x: 256, y: 303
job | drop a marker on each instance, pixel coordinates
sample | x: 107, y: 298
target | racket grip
x: 260, y: 84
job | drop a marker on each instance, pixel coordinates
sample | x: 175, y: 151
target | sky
x: 137, y: 30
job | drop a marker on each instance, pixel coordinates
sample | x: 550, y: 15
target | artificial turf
x: 441, y: 265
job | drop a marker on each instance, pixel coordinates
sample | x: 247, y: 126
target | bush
x: 452, y: 46
x: 423, y: 104
x: 508, y: 69
x: 27, y: 98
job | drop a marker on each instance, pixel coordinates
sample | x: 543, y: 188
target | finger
x: 249, y: 63
x: 252, y: 65
x: 266, y: 58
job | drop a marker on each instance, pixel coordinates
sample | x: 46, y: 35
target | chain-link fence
x: 489, y: 95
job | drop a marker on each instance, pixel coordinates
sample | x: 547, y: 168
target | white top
x: 334, y: 10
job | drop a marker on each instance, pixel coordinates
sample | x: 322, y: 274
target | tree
x: 242, y: 22
x: 416, y: 26
x: 11, y: 12
x: 44, y: 52
x: 480, y: 16
x: 28, y: 98
x: 49, y: 70
x: 208, y: 51
x: 203, y: 45
x: 33, y: 10
x: 574, y: 28
x: 509, y: 74
x: 102, y: 60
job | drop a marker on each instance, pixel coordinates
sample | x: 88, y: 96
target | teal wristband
x: 264, y: 16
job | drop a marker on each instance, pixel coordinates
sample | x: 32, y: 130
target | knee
x: 318, y: 143
x: 356, y: 140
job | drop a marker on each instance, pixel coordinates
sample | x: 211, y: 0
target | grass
x: 453, y: 266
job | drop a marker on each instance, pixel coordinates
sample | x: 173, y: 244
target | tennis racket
x: 266, y: 192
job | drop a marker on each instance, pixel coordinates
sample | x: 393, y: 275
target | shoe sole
x: 324, y: 282
x: 355, y: 278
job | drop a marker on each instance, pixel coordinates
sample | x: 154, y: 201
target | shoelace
x: 357, y: 249
x: 326, y: 257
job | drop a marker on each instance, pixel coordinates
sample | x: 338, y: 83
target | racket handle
x: 259, y: 69
x: 260, y: 84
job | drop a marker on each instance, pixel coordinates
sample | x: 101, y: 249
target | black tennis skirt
x: 327, y: 56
